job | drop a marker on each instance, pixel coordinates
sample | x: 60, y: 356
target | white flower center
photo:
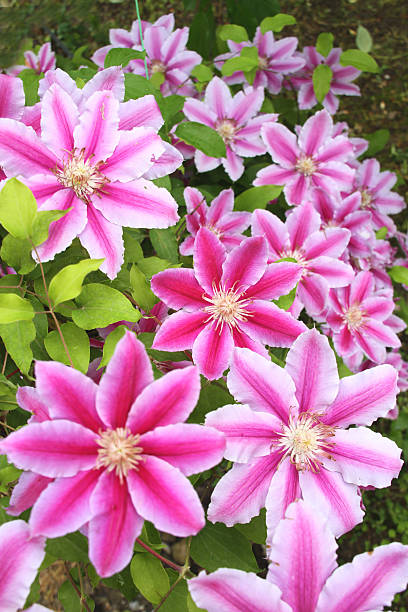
x: 157, y: 66
x: 119, y: 451
x: 226, y: 129
x: 227, y: 307
x: 354, y: 317
x: 366, y: 199
x: 304, y: 440
x: 296, y: 254
x: 214, y: 230
x: 82, y: 176
x: 306, y: 165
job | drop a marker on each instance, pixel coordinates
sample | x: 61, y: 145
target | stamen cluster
x: 228, y: 307
x: 119, y: 451
x: 82, y: 176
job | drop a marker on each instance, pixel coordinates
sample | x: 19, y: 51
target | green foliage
x: 399, y: 274
x: 110, y: 344
x: 324, y: 43
x: 277, y: 23
x: 165, y: 244
x: 14, y: 308
x: 220, y: 546
x: 363, y: 39
x: 67, y: 283
x: 322, y: 78
x: 121, y: 57
x: 255, y: 530
x: 201, y: 137
x: 257, y: 197
x: 77, y: 342
x: 18, y: 209
x: 359, y: 59
x: 232, y: 32
x: 377, y: 141
x: 250, y: 13
x: 149, y: 576
x: 99, y: 306
x: 30, y: 82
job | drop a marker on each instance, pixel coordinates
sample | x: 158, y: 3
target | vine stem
x: 184, y: 570
x: 78, y: 592
x: 57, y: 325
x: 176, y: 567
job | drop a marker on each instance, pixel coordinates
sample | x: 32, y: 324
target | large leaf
x: 211, y: 397
x: 71, y: 547
x: 77, y: 343
x: 110, y: 344
x: 14, y: 308
x: 30, y: 80
x: 232, y: 32
x: 99, y: 306
x: 122, y: 56
x: 67, y: 283
x: 220, y: 546
x: 358, y: 59
x: 377, y: 141
x: 255, y: 530
x: 16, y: 252
x: 141, y: 292
x: 149, y: 577
x: 399, y: 274
x: 201, y: 137
x: 18, y: 208
x: 277, y: 22
x: 257, y: 197
x: 17, y: 338
x: 165, y: 244
x: 322, y: 78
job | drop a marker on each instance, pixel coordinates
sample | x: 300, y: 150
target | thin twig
x: 78, y: 592
x: 176, y: 567
x: 184, y: 570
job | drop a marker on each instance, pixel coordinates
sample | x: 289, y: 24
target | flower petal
x: 212, y: 350
x: 21, y: 150
x: 209, y: 255
x: 178, y: 288
x: 26, y: 492
x: 59, y: 116
x: 97, y: 131
x: 271, y: 325
x: 283, y: 491
x: 245, y: 264
x: 179, y: 331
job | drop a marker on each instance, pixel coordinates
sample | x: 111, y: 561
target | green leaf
x: 71, y: 547
x: 211, y: 397
x: 247, y: 61
x: 149, y: 577
x: 399, y: 274
x: 141, y: 292
x: 14, y: 308
x: 77, y: 342
x: 232, y: 32
x: 191, y: 605
x: 324, y: 43
x: 152, y: 265
x: 322, y: 78
x: 30, y: 80
x: 220, y: 546
x: 17, y: 254
x: 78, y: 59
x: 133, y: 250
x: 255, y: 530
x: 100, y: 306
x: 363, y: 39
x: 381, y: 233
x: 68, y: 596
x: 377, y: 141
x: 165, y: 244
x: 18, y: 208
x: 157, y: 79
x: 7, y: 399
x: 286, y: 301
x: 137, y: 86
x: 201, y: 137
x: 257, y: 197
x: 42, y: 222
x: 178, y: 598
x: 67, y: 283
x: 277, y: 22
x: 358, y: 59
x: 170, y: 106
x: 110, y: 344
x: 122, y: 56
x: 202, y: 73
x: 17, y: 338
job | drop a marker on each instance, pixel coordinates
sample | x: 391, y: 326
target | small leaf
x: 18, y: 208
x: 202, y: 73
x: 201, y: 137
x: 141, y: 292
x: 17, y: 253
x: 257, y: 197
x: 324, y: 43
x: 77, y: 342
x: 277, y: 22
x: 381, y: 233
x: 42, y: 222
x: 71, y: 547
x: 122, y: 56
x: 165, y: 244
x: 233, y: 32
x: 358, y: 59
x: 286, y: 301
x: 110, y: 344
x: 322, y: 77
x: 78, y: 59
x: 377, y: 141
x: 255, y: 530
x: 30, y: 80
x: 245, y: 62
x: 363, y: 39
x: 149, y: 577
x: 99, y: 306
x: 67, y: 283
x: 157, y: 79
x: 137, y: 86
x: 14, y: 308
x: 17, y: 338
x: 399, y: 274
x: 220, y: 546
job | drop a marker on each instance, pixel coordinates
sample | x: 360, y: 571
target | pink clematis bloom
x: 341, y: 83
x: 84, y: 162
x: 39, y: 62
x: 303, y: 574
x: 376, y: 195
x: 312, y: 159
x: 12, y: 100
x: 288, y: 439
x: 218, y: 217
x: 21, y: 554
x: 119, y: 453
x: 357, y: 317
x: 225, y: 303
x: 236, y: 120
x: 316, y: 252
x: 276, y: 59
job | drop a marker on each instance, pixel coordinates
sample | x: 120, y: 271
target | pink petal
x: 127, y: 374
x: 262, y: 384
x: 315, y: 132
x: 111, y: 79
x: 209, y: 255
x: 218, y: 97
x: 274, y: 175
x: 330, y: 243
x: 233, y: 590
x: 369, y: 582
x: 281, y: 143
x: 244, y: 106
x: 303, y: 556
x: 68, y: 393
x: 97, y: 131
x: 212, y: 350
x: 28, y: 398
x: 12, y: 98
x: 26, y: 492
x: 381, y: 333
x: 220, y: 206
x: 278, y: 280
x: 365, y: 457
x: 313, y: 292
x: 143, y: 112
x: 168, y: 162
x: 264, y: 223
x: 204, y: 163
x: 283, y: 491
x: 336, y: 273
x: 195, y: 110
x: 134, y: 154
x: 311, y: 363
x: 162, y: 495
x: 59, y: 116
x: 64, y: 505
x: 333, y: 175
x: 190, y: 448
x: 21, y: 150
x: 270, y: 325
x: 178, y: 288
x: 233, y: 165
x: 245, y: 265
x: 329, y: 494
x: 52, y: 448
x: 242, y: 340
x: 241, y: 493
x: 114, y: 526
x: 301, y: 223
x: 179, y: 331
x: 174, y: 44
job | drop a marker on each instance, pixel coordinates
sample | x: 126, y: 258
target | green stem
x: 141, y: 37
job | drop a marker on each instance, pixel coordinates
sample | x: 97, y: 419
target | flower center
x: 157, y: 66
x: 119, y: 451
x: 263, y: 63
x: 306, y: 165
x: 226, y: 129
x: 214, y: 230
x: 366, y: 199
x: 227, y: 307
x: 354, y: 317
x: 304, y: 440
x: 296, y: 254
x: 82, y: 176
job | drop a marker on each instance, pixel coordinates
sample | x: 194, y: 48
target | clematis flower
x: 39, y: 62
x: 341, y: 83
x: 357, y: 317
x: 118, y: 451
x: 21, y: 554
x: 303, y: 574
x: 316, y: 252
x: 276, y: 59
x: 288, y: 439
x: 225, y: 303
x: 218, y: 217
x: 84, y: 162
x: 12, y: 100
x: 313, y: 159
x: 236, y: 120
